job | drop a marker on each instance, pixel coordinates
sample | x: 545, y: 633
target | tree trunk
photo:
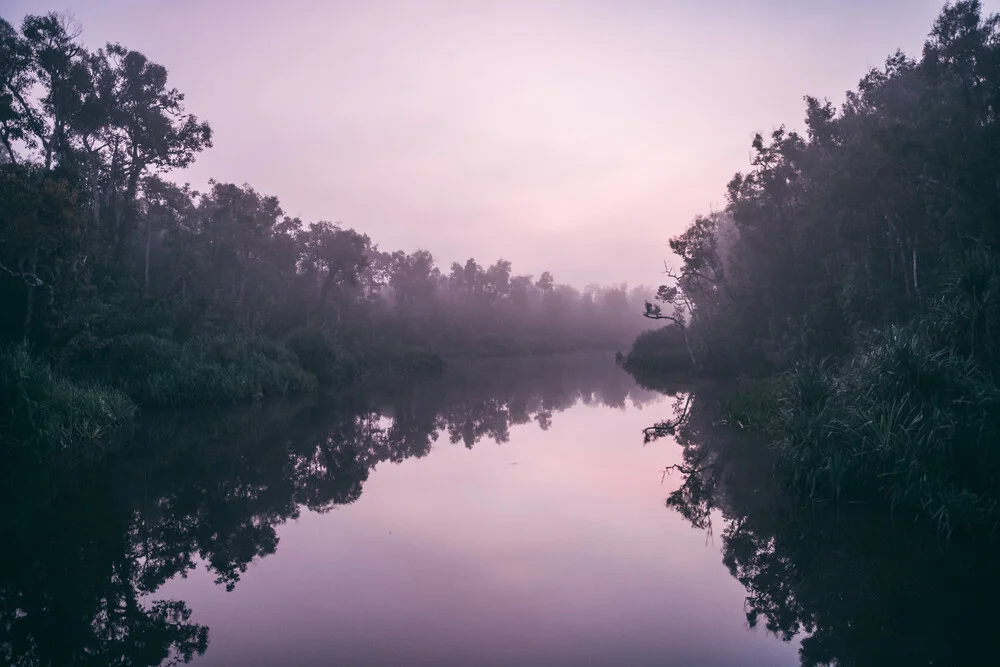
x: 148, y: 234
x: 906, y: 278
x: 29, y: 305
x: 124, y: 219
x: 687, y: 344
x: 95, y: 200
x: 10, y: 151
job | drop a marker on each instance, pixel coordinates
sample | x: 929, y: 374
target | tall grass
x: 911, y: 417
x: 899, y: 420
x: 752, y: 405
x: 52, y: 417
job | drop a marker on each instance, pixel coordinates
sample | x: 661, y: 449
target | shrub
x: 657, y: 353
x: 321, y: 354
x: 752, y: 405
x: 53, y: 417
x: 899, y: 419
x: 221, y: 368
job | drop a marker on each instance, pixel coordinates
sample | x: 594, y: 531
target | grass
x: 49, y: 416
x: 899, y: 421
x: 752, y: 405
x: 72, y: 418
x: 910, y: 418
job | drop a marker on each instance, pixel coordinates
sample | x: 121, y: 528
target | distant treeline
x: 113, y: 274
x: 861, y: 264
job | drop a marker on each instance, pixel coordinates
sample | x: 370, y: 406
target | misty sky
x: 575, y: 136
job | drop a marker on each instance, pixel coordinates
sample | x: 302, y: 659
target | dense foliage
x: 863, y: 260
x: 856, y: 584
x: 114, y: 273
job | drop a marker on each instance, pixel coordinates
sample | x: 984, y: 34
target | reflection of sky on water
x: 554, y: 548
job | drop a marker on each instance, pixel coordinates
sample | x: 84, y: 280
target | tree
x: 546, y: 283
x: 247, y: 251
x: 19, y: 121
x: 414, y: 280
x: 164, y: 207
x: 40, y: 231
x: 496, y: 280
x: 339, y: 256
x: 146, y: 128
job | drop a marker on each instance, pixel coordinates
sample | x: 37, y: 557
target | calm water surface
x: 551, y: 547
x: 507, y: 514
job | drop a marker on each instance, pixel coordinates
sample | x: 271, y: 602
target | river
x: 509, y: 513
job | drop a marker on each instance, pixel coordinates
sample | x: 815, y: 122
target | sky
x: 575, y: 136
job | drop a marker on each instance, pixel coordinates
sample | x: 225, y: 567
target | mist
x: 720, y: 282
x: 572, y: 137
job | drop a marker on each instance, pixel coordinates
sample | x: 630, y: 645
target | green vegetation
x: 222, y: 368
x: 658, y: 351
x: 112, y: 273
x: 855, y: 583
x: 52, y: 417
x: 859, y: 267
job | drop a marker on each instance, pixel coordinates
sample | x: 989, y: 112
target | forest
x: 852, y: 285
x: 124, y: 288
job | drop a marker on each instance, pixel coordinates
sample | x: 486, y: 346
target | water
x: 552, y: 548
x: 508, y: 514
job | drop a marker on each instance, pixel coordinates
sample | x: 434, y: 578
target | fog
x: 253, y: 254
x: 574, y: 137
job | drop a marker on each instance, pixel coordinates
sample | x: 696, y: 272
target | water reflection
x: 858, y: 586
x: 89, y: 549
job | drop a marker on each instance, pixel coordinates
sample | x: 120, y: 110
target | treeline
x: 115, y: 274
x: 861, y: 263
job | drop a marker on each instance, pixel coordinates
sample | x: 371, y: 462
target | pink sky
x: 575, y: 136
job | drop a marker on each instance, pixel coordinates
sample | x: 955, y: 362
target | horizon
x: 575, y: 138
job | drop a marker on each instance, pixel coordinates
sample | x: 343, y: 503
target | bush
x: 53, y: 417
x: 656, y: 353
x: 221, y: 368
x: 752, y: 405
x: 323, y: 355
x: 383, y: 357
x: 899, y: 419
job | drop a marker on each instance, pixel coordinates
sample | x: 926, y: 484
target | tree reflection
x: 88, y: 549
x: 72, y: 580
x: 859, y: 587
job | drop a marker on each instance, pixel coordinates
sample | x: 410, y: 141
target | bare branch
x: 669, y: 427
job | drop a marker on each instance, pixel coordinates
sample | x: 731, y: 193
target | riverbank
x: 76, y: 404
x: 906, y: 420
x: 855, y: 582
x: 71, y: 405
x: 856, y: 267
